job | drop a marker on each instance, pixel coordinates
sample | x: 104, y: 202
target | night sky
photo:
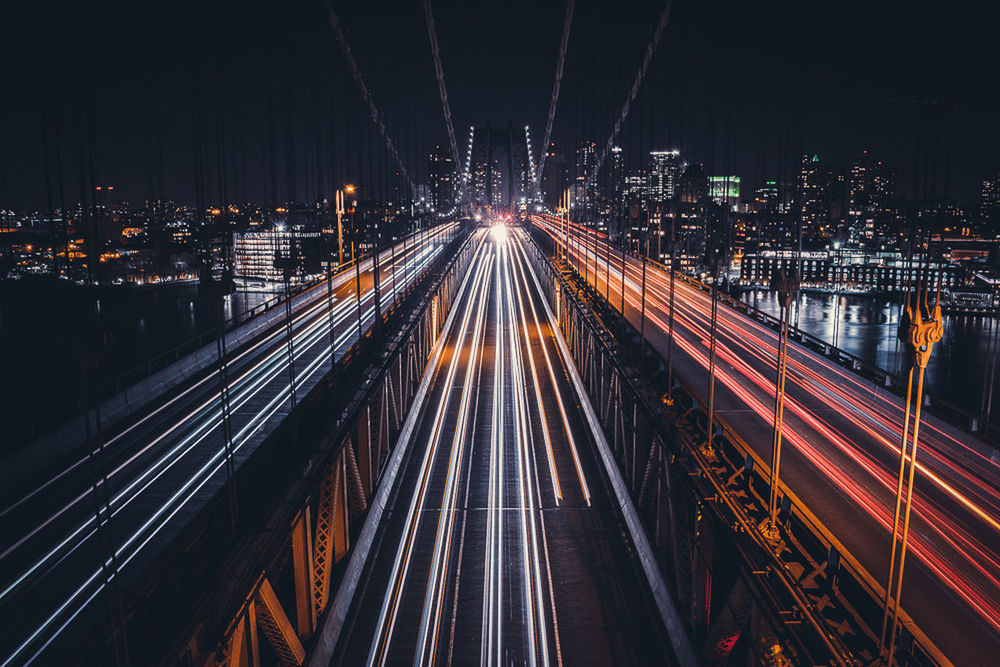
x: 743, y: 87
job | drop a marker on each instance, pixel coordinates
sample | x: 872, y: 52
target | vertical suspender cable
x: 567, y: 21
x: 375, y: 114
x: 636, y: 83
x: 439, y: 71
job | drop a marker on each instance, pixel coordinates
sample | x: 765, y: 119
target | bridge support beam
x: 302, y: 557
x: 278, y: 630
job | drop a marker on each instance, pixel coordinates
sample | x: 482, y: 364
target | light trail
x: 531, y: 577
x: 833, y: 414
x: 497, y: 321
x: 584, y: 487
x: 313, y: 330
x: 384, y: 628
x: 244, y: 389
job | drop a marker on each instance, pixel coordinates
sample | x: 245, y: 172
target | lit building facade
x: 725, y: 190
x: 441, y: 179
x: 665, y: 169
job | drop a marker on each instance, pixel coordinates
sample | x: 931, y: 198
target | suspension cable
x: 555, y: 90
x: 636, y: 84
x: 432, y: 35
x: 376, y: 115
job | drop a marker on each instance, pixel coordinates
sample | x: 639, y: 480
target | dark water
x: 50, y: 331
x: 867, y: 328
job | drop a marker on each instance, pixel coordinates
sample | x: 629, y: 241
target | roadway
x: 841, y: 452
x: 121, y: 508
x: 500, y: 542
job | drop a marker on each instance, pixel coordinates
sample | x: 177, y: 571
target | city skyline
x: 796, y: 87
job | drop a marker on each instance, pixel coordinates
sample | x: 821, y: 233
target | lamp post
x: 670, y: 321
x: 339, y: 206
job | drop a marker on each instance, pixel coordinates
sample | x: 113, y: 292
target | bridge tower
x: 500, y: 169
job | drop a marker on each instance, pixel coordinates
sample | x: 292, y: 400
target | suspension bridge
x: 504, y: 435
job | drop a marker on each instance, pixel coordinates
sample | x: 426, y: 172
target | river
x: 867, y: 327
x: 47, y: 329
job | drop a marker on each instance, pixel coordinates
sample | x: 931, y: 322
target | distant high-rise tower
x: 869, y: 191
x: 693, y: 184
x: 617, y: 177
x: 441, y: 177
x: 989, y: 204
x: 724, y: 190
x: 812, y: 199
x: 636, y: 188
x: 586, y: 159
x: 664, y: 175
x: 555, y: 179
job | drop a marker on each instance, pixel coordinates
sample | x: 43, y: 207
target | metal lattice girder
x: 237, y: 645
x: 303, y: 572
x: 649, y: 472
x: 279, y: 632
x: 323, y: 544
x: 340, y: 515
x: 355, y: 485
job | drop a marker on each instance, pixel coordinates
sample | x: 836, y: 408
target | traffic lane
x: 958, y: 529
x: 604, y: 611
x: 598, y: 607
x: 367, y: 616
x: 132, y: 452
x: 935, y: 607
x: 167, y: 411
x: 61, y: 576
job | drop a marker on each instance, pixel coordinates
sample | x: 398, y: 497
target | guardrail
x: 703, y: 505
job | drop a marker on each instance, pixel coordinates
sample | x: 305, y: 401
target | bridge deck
x: 841, y: 453
x: 163, y: 467
x: 501, y: 538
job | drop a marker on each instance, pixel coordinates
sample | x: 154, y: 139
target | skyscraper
x: 664, y: 175
x: 617, y: 177
x: 869, y: 193
x: 635, y: 188
x: 812, y: 199
x: 441, y: 177
x: 586, y: 159
x: 555, y: 179
x: 989, y: 204
x: 724, y: 190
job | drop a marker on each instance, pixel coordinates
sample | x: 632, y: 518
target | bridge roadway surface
x: 501, y: 543
x: 164, y: 466
x: 841, y: 451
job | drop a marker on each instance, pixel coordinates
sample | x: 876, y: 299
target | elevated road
x: 501, y: 542
x: 841, y: 451
x: 103, y: 516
